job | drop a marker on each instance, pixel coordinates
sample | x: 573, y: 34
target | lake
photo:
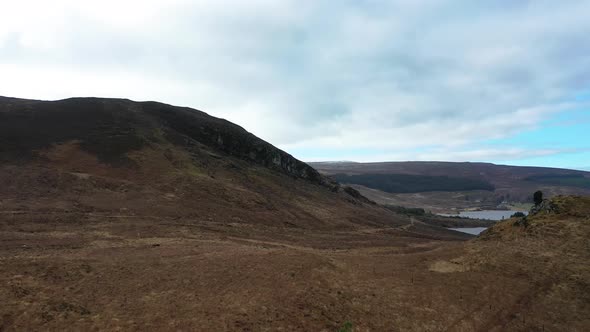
x: 485, y: 214
x: 470, y: 230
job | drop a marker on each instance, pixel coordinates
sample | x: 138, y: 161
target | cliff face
x: 229, y: 138
x: 110, y: 128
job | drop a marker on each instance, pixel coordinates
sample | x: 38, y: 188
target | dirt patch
x: 448, y: 267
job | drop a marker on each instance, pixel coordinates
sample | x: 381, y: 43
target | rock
x: 546, y: 206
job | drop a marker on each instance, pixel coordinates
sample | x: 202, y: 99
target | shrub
x: 347, y: 327
x: 538, y: 197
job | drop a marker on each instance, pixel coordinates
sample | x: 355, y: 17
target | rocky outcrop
x: 357, y: 195
x: 546, y: 206
x: 230, y: 139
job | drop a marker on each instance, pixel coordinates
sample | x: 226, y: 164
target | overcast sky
x: 505, y: 81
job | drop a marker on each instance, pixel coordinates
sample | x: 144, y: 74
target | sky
x: 503, y: 81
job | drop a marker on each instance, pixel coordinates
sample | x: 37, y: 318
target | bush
x: 405, y: 210
x: 347, y: 327
x: 538, y: 197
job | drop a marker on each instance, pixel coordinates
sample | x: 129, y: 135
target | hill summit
x: 112, y: 128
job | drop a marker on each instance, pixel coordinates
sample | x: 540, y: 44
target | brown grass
x: 227, y: 246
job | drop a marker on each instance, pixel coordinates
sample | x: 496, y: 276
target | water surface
x: 485, y: 214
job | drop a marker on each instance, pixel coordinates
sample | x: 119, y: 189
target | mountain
x: 441, y: 186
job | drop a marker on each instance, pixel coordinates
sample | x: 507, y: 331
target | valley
x: 123, y: 215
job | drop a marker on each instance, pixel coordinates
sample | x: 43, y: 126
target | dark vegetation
x: 347, y: 327
x: 406, y: 183
x: 538, y: 197
x: 568, y: 180
x: 518, y: 215
x: 110, y: 128
x: 406, y: 210
x: 106, y: 130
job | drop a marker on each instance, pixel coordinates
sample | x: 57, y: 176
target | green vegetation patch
x: 347, y: 327
x: 406, y: 210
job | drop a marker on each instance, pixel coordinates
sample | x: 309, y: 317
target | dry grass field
x: 100, y: 272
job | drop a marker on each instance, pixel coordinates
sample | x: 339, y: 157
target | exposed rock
x: 546, y: 206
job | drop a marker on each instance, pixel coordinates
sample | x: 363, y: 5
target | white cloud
x: 318, y: 74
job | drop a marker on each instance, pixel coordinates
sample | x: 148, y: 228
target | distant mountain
x: 444, y: 185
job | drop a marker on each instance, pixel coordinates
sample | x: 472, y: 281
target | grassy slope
x: 551, y: 253
x: 92, y: 272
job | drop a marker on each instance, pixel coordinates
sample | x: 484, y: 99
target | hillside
x: 551, y: 251
x: 442, y: 186
x: 105, y: 156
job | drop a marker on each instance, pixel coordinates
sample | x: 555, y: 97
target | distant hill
x: 408, y: 183
x: 444, y: 185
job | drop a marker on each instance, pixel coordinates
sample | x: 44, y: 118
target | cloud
x: 388, y: 75
x: 469, y: 153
